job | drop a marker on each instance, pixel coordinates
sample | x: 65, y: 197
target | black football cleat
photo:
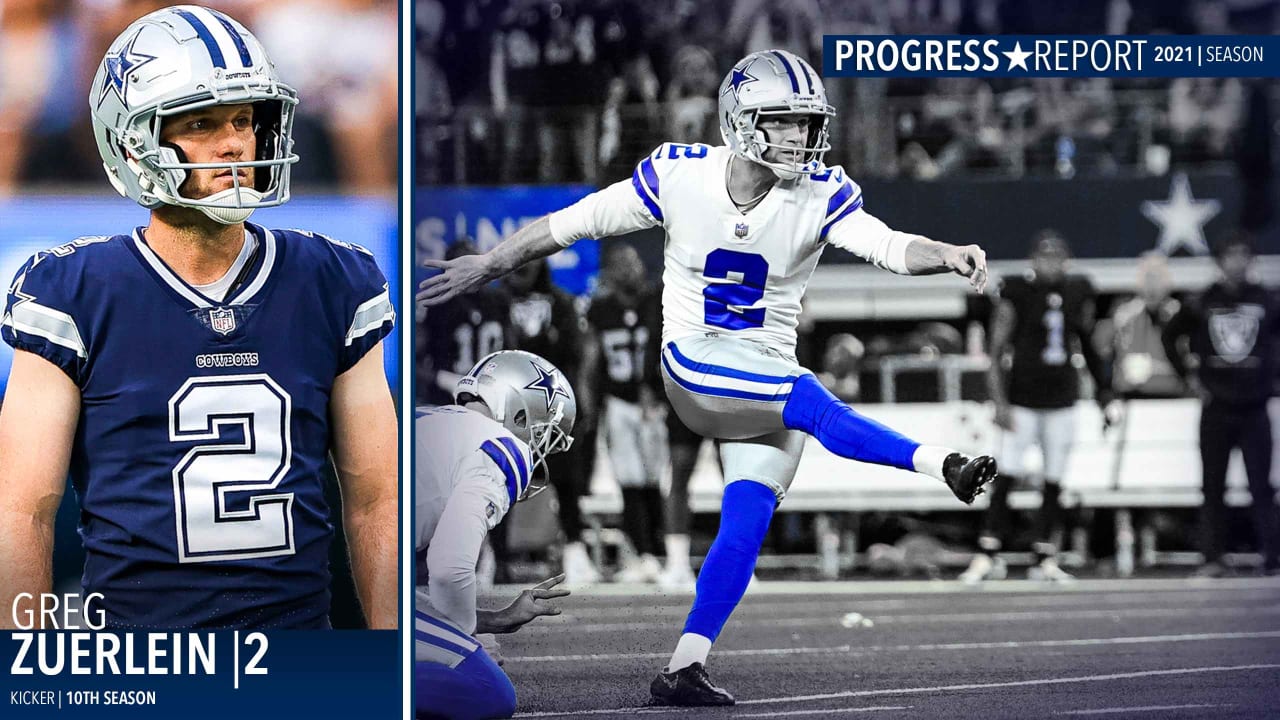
x: 967, y: 476
x: 688, y: 686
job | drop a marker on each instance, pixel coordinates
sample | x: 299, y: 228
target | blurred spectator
x: 434, y: 107
x: 1204, y: 114
x: 1140, y: 367
x: 44, y: 130
x: 342, y: 57
x: 1231, y: 330
x: 691, y: 97
x: 842, y: 365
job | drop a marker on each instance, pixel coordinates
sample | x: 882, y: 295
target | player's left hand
x: 456, y: 276
x: 969, y: 261
x: 490, y: 643
x: 532, y: 603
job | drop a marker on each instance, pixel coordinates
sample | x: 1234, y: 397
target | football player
x: 746, y: 223
x: 474, y: 461
x: 546, y: 322
x: 619, y: 323
x: 450, y: 338
x: 1232, y: 329
x: 1041, y: 320
x: 194, y: 375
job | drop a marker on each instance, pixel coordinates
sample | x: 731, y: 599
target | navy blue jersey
x: 204, y: 426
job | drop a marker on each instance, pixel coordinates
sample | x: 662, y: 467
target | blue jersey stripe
x: 808, y: 79
x: 722, y: 371
x: 523, y: 469
x: 838, y: 199
x: 827, y: 228
x: 650, y: 176
x: 795, y: 86
x: 215, y: 52
x: 449, y: 627
x: 654, y: 210
x: 241, y: 48
x: 723, y: 392
x: 499, y: 457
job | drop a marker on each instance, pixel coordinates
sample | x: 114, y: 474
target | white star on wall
x: 1181, y: 218
x: 1017, y: 56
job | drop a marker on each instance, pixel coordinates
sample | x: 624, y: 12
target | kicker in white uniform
x: 745, y: 226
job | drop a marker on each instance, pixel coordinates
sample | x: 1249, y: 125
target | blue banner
x: 488, y: 215
x: 1129, y: 56
x: 30, y: 224
x: 193, y: 675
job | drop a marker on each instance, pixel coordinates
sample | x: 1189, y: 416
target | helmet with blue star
x: 178, y: 60
x: 530, y: 397
x: 775, y: 82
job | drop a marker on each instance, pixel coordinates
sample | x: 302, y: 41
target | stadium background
x: 53, y: 189
x: 522, y: 106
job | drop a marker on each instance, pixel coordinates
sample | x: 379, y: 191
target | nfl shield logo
x: 222, y: 320
x: 740, y: 230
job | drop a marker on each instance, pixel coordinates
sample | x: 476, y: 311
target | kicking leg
x: 813, y: 409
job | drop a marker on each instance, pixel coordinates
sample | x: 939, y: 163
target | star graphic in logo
x: 120, y: 66
x: 1017, y: 56
x: 738, y: 78
x: 1181, y: 218
x: 547, y: 384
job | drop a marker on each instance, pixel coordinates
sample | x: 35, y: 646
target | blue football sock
x: 723, y: 579
x: 474, y: 689
x: 813, y: 409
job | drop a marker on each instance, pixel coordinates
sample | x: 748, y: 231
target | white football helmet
x: 774, y: 82
x: 172, y: 61
x: 530, y: 397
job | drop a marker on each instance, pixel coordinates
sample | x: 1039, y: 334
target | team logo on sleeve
x: 1234, y: 333
x: 222, y: 320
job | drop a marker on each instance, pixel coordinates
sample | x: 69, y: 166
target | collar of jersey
x: 265, y: 261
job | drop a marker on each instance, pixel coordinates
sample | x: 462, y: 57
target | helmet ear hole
x: 521, y: 419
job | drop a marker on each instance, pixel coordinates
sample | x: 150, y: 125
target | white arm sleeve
x: 866, y: 236
x: 615, y: 210
x: 455, y: 547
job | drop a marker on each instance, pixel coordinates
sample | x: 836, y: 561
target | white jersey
x: 725, y: 270
x: 468, y: 469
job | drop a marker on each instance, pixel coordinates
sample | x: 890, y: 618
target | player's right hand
x: 1004, y: 416
x: 459, y: 275
x: 532, y: 603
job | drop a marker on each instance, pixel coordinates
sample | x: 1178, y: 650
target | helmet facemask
x: 162, y: 167
x: 755, y: 142
x: 546, y: 439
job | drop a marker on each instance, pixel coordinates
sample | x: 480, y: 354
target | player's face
x: 1049, y: 261
x: 1235, y: 262
x: 215, y: 134
x: 792, y: 130
x: 1154, y: 283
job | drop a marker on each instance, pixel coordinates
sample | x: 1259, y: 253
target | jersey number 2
x: 728, y: 304
x: 224, y: 490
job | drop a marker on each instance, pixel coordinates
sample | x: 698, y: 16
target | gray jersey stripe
x: 370, y: 315
x: 30, y: 317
